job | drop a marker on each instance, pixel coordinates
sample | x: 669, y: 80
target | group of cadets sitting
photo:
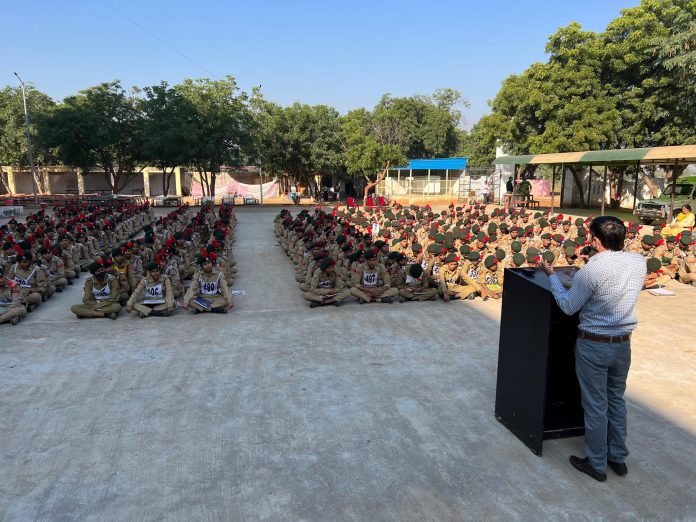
x: 134, y: 261
x: 415, y: 254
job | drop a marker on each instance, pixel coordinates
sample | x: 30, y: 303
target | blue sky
x: 345, y: 54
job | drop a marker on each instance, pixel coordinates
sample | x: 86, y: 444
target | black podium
x: 537, y: 395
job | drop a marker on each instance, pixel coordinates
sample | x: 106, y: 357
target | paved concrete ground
x: 279, y: 412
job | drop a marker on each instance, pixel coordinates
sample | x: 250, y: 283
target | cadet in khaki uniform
x: 326, y: 286
x: 208, y: 291
x: 655, y: 278
x: 687, y: 267
x: 54, y: 271
x: 123, y: 272
x: 491, y: 277
x: 11, y: 308
x: 454, y: 282
x: 153, y: 296
x: 416, y: 285
x: 101, y: 294
x: 30, y: 278
x: 669, y: 255
x: 371, y: 283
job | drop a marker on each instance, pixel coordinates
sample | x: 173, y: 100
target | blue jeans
x: 602, y: 370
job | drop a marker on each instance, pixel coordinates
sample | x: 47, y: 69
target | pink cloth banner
x: 540, y: 187
x: 270, y: 190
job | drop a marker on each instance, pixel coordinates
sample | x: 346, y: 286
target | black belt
x: 603, y: 338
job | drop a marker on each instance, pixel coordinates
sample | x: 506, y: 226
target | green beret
x: 553, y: 220
x: 533, y: 250
x: 200, y: 260
x: 392, y: 255
x: 97, y: 265
x: 116, y: 252
x: 415, y: 270
x: 492, y: 227
x: 548, y: 256
x: 326, y: 263
x: 395, y: 241
x: 354, y: 256
x: 439, y: 238
x: 481, y: 236
x: 543, y: 223
x: 516, y: 246
x: 451, y: 258
x: 653, y: 264
x: 434, y: 248
x: 464, y: 249
x: 341, y: 239
x: 648, y: 239
x: 531, y: 258
x: 671, y: 239
x: 379, y: 243
x: 369, y: 254
x: 500, y: 254
x: 475, y: 228
x: 569, y: 251
x: 474, y: 256
x: 518, y: 259
x: 579, y: 241
x: 546, y: 236
x: 449, y: 243
x: 489, y: 261
x: 579, y: 222
x: 537, y: 215
x: 416, y: 247
x: 685, y: 239
x: 557, y: 238
x: 569, y: 243
x: 493, y: 238
x: 152, y: 266
x: 582, y: 232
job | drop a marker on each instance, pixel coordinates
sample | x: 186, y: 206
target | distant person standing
x: 509, y: 189
x: 605, y: 292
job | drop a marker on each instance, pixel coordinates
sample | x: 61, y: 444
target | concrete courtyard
x: 279, y: 412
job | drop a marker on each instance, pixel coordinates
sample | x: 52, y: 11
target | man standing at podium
x: 605, y: 292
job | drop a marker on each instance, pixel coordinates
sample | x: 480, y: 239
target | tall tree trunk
x: 4, y: 179
x: 619, y: 187
x: 371, y: 184
x: 578, y: 185
x: 651, y: 186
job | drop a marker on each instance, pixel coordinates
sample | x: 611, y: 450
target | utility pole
x: 261, y: 181
x: 29, y: 150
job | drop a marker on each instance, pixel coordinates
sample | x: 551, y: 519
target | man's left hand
x: 545, y: 267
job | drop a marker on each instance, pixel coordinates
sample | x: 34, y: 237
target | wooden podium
x: 537, y: 395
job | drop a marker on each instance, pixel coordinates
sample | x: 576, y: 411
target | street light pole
x: 30, y: 152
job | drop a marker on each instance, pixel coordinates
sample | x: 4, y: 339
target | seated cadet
x: 11, y: 307
x: 416, y: 285
x: 655, y: 277
x: 122, y: 270
x: 687, y: 267
x: 54, y: 270
x: 454, y: 281
x: 326, y: 286
x: 371, y: 283
x: 491, y: 277
x: 208, y: 291
x: 153, y: 296
x: 101, y: 294
x: 30, y: 278
x: 68, y: 254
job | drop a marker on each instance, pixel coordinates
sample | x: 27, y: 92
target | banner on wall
x: 270, y: 189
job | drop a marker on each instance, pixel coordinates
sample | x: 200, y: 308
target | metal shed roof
x: 438, y: 164
x: 657, y: 155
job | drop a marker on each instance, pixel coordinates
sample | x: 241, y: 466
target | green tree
x: 221, y: 129
x: 299, y: 141
x: 168, y: 130
x: 13, y: 138
x: 99, y: 126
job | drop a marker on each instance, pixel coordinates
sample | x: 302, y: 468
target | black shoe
x: 471, y: 297
x: 387, y: 300
x: 619, y: 468
x: 337, y: 303
x: 113, y: 316
x: 15, y: 320
x: 314, y: 304
x: 70, y: 283
x: 219, y: 310
x: 584, y: 466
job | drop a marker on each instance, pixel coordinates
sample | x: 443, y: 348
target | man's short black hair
x: 610, y: 231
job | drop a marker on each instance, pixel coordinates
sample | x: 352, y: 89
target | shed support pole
x: 604, y: 188
x: 563, y: 176
x: 589, y: 188
x: 428, y: 182
x: 553, y: 186
x: 635, y: 188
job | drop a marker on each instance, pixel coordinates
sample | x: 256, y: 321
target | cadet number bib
x: 102, y: 293
x: 154, y: 294
x: 369, y: 278
x: 209, y: 287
